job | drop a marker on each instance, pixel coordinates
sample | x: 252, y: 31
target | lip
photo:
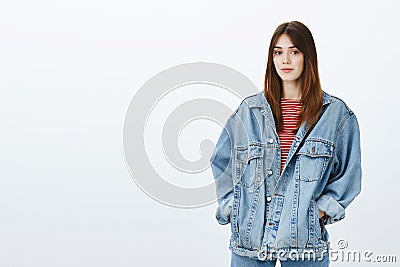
x: 286, y: 70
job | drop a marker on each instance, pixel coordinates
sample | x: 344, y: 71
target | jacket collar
x: 259, y: 100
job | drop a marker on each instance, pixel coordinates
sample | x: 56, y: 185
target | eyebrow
x: 288, y: 47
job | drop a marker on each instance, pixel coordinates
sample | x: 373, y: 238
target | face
x: 288, y: 60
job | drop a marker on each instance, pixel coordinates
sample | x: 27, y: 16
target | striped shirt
x: 291, y: 109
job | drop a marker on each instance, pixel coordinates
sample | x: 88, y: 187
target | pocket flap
x: 247, y: 153
x: 255, y: 151
x: 316, y: 148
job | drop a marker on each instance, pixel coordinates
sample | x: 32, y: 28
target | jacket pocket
x: 313, y: 158
x: 248, y: 166
x: 314, y: 227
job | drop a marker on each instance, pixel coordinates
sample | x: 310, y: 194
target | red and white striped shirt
x: 291, y: 109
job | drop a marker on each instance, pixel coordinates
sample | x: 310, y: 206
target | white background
x: 68, y: 71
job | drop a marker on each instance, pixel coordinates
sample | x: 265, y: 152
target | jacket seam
x: 345, y: 119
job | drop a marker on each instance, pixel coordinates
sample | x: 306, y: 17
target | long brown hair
x: 311, y: 96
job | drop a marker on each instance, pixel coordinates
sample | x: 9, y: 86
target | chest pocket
x: 248, y: 166
x: 313, y: 158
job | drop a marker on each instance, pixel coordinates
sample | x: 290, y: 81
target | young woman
x: 287, y: 162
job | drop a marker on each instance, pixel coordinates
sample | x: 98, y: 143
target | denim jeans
x: 240, y: 261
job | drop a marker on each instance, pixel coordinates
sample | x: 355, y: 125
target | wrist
x: 322, y: 214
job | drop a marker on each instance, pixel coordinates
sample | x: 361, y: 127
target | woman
x: 288, y: 161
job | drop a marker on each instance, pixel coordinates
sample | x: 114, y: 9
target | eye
x: 295, y: 52
x: 277, y: 52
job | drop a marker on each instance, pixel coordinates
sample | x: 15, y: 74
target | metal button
x: 269, y: 172
x: 331, y: 148
x: 313, y: 150
x: 269, y: 199
x: 271, y: 140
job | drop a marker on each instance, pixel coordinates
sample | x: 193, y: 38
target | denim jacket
x: 272, y: 214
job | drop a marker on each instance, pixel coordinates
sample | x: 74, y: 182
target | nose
x: 285, y: 59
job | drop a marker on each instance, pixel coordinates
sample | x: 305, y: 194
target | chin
x: 288, y: 79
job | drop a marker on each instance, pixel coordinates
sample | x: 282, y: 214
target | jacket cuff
x: 332, y: 208
x: 224, y: 210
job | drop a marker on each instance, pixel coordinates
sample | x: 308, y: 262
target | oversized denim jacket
x: 273, y: 214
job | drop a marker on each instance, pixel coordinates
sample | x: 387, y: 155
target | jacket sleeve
x: 344, y: 183
x: 221, y: 166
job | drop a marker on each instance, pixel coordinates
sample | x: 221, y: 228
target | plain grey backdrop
x: 68, y: 71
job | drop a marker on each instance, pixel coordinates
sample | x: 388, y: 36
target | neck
x: 291, y: 90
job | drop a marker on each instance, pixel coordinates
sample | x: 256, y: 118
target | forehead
x: 284, y: 41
